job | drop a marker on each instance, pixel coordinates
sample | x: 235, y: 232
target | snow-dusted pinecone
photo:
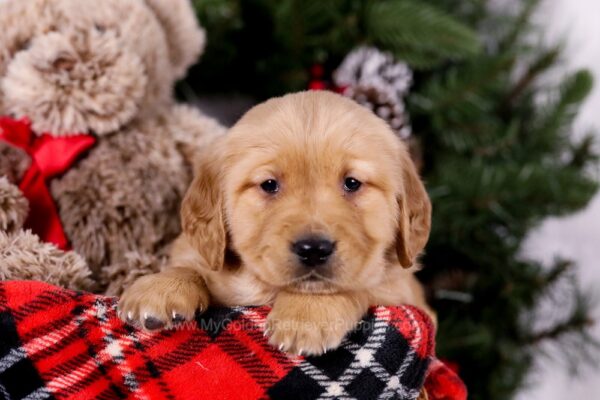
x: 374, y: 79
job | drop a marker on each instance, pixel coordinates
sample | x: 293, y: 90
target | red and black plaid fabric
x: 56, y: 343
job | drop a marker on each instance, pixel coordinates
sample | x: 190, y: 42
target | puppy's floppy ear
x: 414, y: 221
x: 202, y: 217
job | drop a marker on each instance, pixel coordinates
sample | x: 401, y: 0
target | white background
x: 576, y: 237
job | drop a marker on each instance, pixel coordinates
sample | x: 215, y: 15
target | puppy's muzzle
x: 313, y: 251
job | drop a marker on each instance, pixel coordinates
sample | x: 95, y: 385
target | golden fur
x: 235, y: 249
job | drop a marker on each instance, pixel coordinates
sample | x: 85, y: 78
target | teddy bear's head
x: 83, y: 66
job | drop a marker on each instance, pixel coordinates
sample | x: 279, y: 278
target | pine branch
x: 580, y: 321
x: 463, y: 86
x: 556, y: 272
x: 520, y: 25
x: 419, y: 32
x: 548, y: 130
x: 583, y: 153
x: 544, y: 61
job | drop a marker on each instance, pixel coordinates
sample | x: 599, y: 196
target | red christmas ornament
x: 317, y: 81
x: 50, y: 156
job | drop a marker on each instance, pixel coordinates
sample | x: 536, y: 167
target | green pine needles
x: 265, y: 47
x: 499, y: 155
x: 418, y: 33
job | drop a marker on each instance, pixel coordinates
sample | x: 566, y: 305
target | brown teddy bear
x: 107, y: 68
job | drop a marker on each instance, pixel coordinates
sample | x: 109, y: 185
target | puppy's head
x: 313, y: 192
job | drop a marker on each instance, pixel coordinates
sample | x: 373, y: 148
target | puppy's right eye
x: 352, y: 184
x: 270, y: 186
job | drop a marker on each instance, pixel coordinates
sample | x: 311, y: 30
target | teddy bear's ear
x: 19, y: 21
x: 185, y: 37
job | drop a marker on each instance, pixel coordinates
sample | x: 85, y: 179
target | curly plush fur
x: 54, y: 84
x: 25, y: 257
x: 22, y: 254
x: 133, y: 266
x: 108, y: 67
x: 125, y: 195
x: 13, y: 207
x: 81, y: 65
x: 13, y: 162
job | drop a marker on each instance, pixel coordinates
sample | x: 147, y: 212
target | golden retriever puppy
x: 310, y: 204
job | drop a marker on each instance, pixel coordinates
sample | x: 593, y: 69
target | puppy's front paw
x: 163, y: 300
x: 304, y: 336
x: 311, y: 325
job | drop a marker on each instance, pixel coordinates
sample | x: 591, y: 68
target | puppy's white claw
x: 130, y: 315
x: 281, y: 346
x: 266, y: 333
x: 300, y: 352
x: 177, y: 318
x: 324, y: 349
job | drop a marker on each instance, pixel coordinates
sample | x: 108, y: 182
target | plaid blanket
x: 61, y: 344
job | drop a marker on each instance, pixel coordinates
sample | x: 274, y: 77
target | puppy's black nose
x: 313, y: 252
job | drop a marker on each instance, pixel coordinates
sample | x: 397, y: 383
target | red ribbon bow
x: 50, y: 156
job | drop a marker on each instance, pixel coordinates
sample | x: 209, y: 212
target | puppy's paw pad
x: 152, y: 323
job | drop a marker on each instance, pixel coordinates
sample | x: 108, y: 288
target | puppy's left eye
x: 351, y: 184
x: 270, y: 186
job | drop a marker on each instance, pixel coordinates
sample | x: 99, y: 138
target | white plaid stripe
x: 4, y: 393
x: 39, y: 394
x: 337, y: 388
x: 70, y: 379
x: 412, y: 394
x: 37, y: 344
x: 364, y: 358
x: 13, y: 357
x: 113, y: 351
x: 66, y: 380
x: 256, y: 318
x: 50, y: 339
